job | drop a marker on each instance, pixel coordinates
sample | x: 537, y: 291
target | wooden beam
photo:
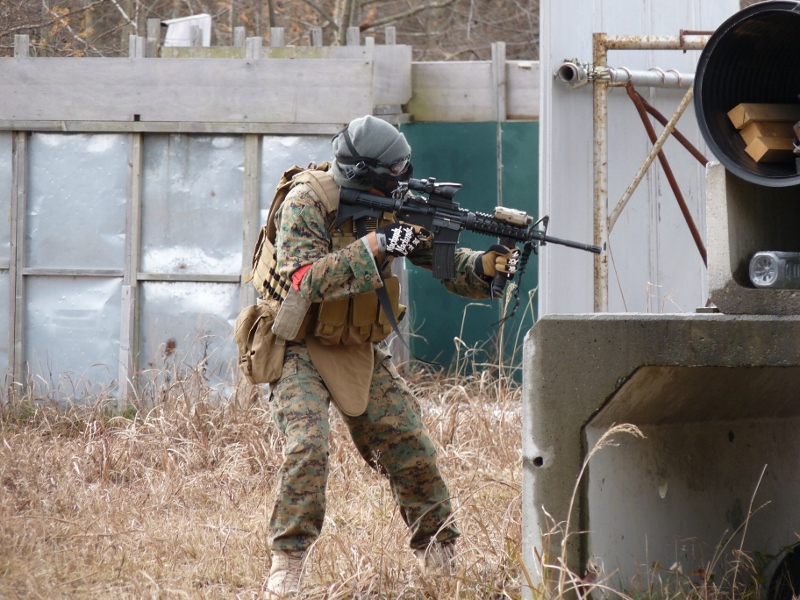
x: 189, y: 277
x: 16, y: 348
x: 172, y: 127
x: 253, y: 48
x: 22, y: 45
x: 129, y: 310
x: 276, y: 38
x: 239, y: 35
x: 44, y: 271
x: 113, y: 89
x: 153, y: 38
x: 251, y: 209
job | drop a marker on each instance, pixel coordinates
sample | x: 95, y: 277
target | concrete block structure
x: 744, y: 218
x: 715, y: 396
x: 715, y: 393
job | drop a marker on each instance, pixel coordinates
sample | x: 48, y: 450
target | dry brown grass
x: 173, y: 502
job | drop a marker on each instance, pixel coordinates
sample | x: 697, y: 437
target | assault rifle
x: 445, y: 219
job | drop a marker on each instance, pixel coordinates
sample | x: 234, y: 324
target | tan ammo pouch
x: 260, y: 358
x: 356, y: 320
x: 290, y: 317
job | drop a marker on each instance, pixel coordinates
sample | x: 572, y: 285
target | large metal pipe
x: 576, y: 74
x: 752, y: 57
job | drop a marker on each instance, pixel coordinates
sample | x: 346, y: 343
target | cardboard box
x: 771, y: 150
x: 758, y: 129
x: 745, y: 113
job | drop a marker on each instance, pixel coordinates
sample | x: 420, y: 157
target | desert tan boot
x: 438, y: 559
x: 284, y: 575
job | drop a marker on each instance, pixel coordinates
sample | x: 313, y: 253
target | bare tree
x: 436, y: 29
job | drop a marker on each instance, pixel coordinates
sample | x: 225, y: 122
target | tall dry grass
x: 172, y: 501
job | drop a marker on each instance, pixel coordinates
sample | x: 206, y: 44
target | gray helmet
x: 369, y: 152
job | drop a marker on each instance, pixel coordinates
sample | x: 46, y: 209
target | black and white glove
x: 399, y: 239
x: 497, y: 259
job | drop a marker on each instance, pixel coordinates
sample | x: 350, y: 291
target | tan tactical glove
x: 497, y: 259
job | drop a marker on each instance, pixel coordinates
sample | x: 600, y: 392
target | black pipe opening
x: 752, y: 57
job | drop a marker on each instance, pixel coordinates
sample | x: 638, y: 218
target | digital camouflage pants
x: 389, y: 436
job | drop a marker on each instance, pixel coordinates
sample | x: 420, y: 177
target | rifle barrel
x: 570, y: 243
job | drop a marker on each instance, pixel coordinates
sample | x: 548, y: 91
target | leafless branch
x: 322, y: 13
x: 409, y: 13
x: 28, y: 26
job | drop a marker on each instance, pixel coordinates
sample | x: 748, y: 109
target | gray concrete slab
x: 717, y: 398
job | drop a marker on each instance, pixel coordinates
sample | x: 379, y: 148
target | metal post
x: 600, y: 134
x: 602, y: 43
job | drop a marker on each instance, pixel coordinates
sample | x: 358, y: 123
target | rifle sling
x: 383, y: 296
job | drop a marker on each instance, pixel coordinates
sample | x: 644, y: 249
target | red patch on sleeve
x: 298, y: 275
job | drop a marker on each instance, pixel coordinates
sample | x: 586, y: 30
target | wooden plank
x: 117, y: 89
x: 499, y: 80
x: 276, y: 37
x: 391, y: 82
x: 239, y: 35
x: 452, y: 91
x: 42, y: 271
x: 22, y: 44
x: 203, y: 51
x: 16, y: 333
x: 745, y: 113
x: 189, y: 277
x: 522, y: 85
x: 252, y: 221
x: 253, y: 48
x: 129, y: 319
x: 172, y: 127
x: 771, y: 150
x: 127, y: 344
x: 153, y: 38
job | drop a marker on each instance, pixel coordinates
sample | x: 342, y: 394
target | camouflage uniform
x: 389, y: 435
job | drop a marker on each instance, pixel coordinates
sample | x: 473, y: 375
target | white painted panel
x: 654, y: 265
x: 117, y: 89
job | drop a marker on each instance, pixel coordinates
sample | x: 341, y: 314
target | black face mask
x: 388, y: 183
x: 370, y: 171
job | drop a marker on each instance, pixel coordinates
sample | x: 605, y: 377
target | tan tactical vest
x: 349, y: 321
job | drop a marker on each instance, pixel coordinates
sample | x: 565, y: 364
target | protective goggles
x: 362, y: 162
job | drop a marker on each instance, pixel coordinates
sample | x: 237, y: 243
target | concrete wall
x: 715, y: 396
x: 745, y: 218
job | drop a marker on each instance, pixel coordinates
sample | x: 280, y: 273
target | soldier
x: 337, y: 353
